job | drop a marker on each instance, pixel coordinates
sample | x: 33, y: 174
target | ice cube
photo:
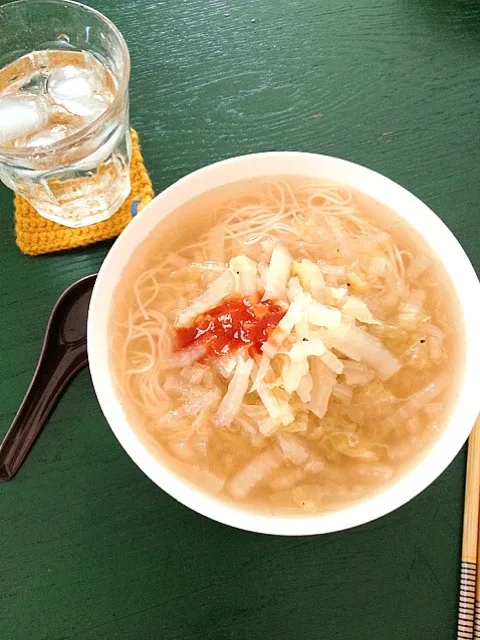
x: 77, y: 90
x: 34, y: 84
x: 21, y: 116
x: 48, y: 136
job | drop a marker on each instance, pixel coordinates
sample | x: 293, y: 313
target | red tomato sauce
x: 233, y: 324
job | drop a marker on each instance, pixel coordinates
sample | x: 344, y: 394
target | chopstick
x: 476, y: 619
x: 467, y: 620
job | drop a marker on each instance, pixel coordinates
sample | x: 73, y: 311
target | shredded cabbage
x: 310, y: 276
x: 278, y: 410
x: 295, y: 377
x: 356, y: 308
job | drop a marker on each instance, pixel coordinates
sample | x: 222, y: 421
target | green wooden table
x: 90, y: 549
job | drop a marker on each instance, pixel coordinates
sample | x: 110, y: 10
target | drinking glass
x: 64, y: 136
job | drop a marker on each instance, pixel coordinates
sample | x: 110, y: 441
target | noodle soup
x: 286, y: 344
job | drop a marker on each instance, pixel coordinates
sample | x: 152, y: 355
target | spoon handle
x: 50, y: 378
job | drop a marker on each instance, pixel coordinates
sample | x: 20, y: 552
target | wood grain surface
x: 90, y: 549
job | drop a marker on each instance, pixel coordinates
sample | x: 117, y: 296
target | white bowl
x: 418, y: 215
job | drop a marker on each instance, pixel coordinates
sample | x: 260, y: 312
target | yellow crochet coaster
x: 36, y: 235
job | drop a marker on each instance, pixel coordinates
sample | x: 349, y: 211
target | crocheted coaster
x: 36, y: 235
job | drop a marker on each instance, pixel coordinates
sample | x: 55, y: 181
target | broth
x: 372, y: 394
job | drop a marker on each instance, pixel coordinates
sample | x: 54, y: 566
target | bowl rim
x: 442, y: 243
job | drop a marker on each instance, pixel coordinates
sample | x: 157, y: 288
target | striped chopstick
x: 476, y: 623
x: 467, y: 622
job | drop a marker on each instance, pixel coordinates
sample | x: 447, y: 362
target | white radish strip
x: 278, y: 410
x: 278, y: 274
x: 202, y: 477
x: 216, y: 244
x: 359, y: 345
x: 294, y: 371
x: 342, y: 392
x: 263, y: 271
x: 198, y: 399
x: 416, y: 402
x: 185, y: 357
x: 357, y: 373
x: 194, y: 373
x: 225, y: 365
x: 301, y: 350
x: 254, y: 472
x: 315, y: 465
x: 294, y: 289
x: 304, y: 389
x: 322, y: 316
x: 294, y: 314
x: 332, y: 362
x: 219, y: 289
x: 323, y: 381
x: 302, y: 329
x: 237, y: 388
x: 293, y: 448
x: 435, y: 349
x: 269, y: 400
x: 262, y: 371
x: 286, y: 414
x: 292, y: 374
x: 174, y: 385
x: 285, y: 479
x: 246, y: 269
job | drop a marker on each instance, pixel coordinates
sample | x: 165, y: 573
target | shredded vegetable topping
x: 293, y: 350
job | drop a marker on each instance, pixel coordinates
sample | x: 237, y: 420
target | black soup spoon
x: 63, y: 354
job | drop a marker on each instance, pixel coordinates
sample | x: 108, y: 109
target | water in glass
x: 46, y: 97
